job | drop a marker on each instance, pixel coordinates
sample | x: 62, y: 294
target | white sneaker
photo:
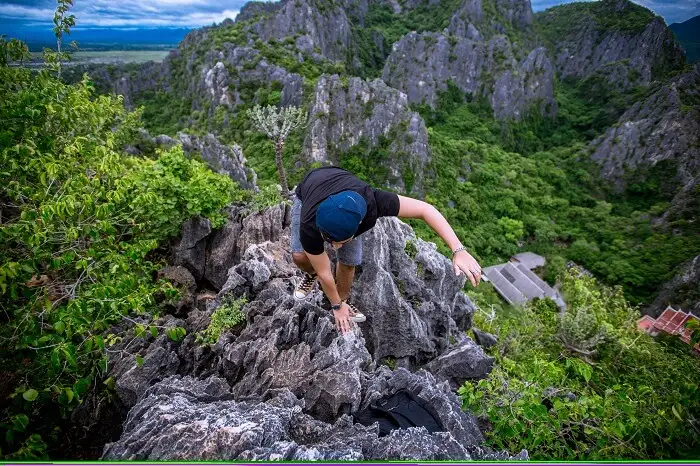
x: 358, y: 317
x: 306, y: 286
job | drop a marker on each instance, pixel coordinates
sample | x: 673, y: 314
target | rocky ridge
x: 477, y: 53
x: 583, y: 46
x: 663, y: 127
x: 348, y: 112
x: 283, y: 385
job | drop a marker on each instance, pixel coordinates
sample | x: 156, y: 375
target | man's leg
x: 307, y: 283
x: 349, y: 256
x: 303, y: 262
x: 344, y: 276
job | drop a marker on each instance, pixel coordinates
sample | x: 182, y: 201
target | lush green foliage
x: 559, y: 21
x: 268, y: 196
x: 227, y: 316
x: 627, y: 396
x: 381, y: 28
x: 81, y: 224
x: 545, y: 198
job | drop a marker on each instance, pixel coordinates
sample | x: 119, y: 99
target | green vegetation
x: 585, y: 384
x: 545, y: 198
x: 227, y: 316
x: 81, y: 227
x: 561, y: 20
x: 266, y: 197
x: 382, y: 28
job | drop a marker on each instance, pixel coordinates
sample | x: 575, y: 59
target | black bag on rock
x: 400, y: 411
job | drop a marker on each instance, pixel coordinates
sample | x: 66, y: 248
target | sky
x: 27, y: 18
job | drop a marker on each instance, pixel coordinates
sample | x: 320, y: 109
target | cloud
x: 197, y: 13
x: 125, y: 13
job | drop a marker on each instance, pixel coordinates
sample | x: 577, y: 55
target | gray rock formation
x: 503, y: 17
x: 663, y: 127
x: 586, y: 46
x: 225, y: 73
x: 325, y: 24
x: 484, y: 339
x: 516, y: 80
x: 189, y: 419
x: 209, y: 255
x: 252, y: 9
x: 227, y: 245
x: 412, y: 304
x: 683, y: 291
x: 288, y: 379
x: 224, y: 159
x: 348, y: 112
x: 465, y: 361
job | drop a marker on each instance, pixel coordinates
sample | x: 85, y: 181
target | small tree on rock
x: 277, y: 124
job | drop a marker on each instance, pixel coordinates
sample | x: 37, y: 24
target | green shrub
x: 81, y: 227
x: 227, y: 316
x: 624, y: 396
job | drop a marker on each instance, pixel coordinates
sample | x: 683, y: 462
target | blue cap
x: 341, y: 214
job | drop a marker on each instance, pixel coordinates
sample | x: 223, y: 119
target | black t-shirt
x: 320, y: 183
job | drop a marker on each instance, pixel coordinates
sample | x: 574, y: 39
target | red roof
x: 670, y: 321
x: 645, y: 323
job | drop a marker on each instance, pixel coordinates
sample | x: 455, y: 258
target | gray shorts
x: 349, y: 254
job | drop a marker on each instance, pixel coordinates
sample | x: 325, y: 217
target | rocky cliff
x: 621, y: 41
x: 483, y: 52
x: 663, y: 127
x: 283, y: 384
x: 350, y: 112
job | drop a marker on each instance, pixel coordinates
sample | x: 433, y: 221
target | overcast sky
x: 195, y: 13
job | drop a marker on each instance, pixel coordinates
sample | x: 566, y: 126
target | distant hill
x: 688, y: 34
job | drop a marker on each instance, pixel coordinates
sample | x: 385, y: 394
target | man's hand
x: 342, y: 318
x: 463, y: 262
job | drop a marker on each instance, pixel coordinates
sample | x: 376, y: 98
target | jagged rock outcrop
x: 663, y: 127
x: 254, y: 8
x: 224, y: 159
x: 190, y: 419
x: 348, y: 112
x: 209, y: 256
x: 225, y: 73
x: 415, y: 302
x: 502, y: 17
x: 584, y: 42
x: 683, y: 291
x: 283, y: 386
x: 325, y: 26
x: 477, y: 61
x: 464, y: 361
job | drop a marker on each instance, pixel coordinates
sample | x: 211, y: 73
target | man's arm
x: 322, y: 265
x: 462, y: 260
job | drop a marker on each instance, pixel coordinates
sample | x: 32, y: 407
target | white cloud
x: 108, y: 13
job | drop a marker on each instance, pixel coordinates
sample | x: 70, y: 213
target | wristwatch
x: 336, y: 307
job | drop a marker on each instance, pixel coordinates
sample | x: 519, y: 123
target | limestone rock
x: 623, y: 58
x: 477, y: 56
x: 347, y: 113
x: 466, y: 361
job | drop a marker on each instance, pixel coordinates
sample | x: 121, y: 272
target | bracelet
x: 461, y: 248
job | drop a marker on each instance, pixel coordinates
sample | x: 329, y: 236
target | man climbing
x: 332, y: 205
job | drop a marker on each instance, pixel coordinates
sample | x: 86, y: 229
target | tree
x: 18, y: 51
x: 277, y: 124
x: 62, y: 24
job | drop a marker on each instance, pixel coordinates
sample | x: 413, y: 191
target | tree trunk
x: 280, y: 168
